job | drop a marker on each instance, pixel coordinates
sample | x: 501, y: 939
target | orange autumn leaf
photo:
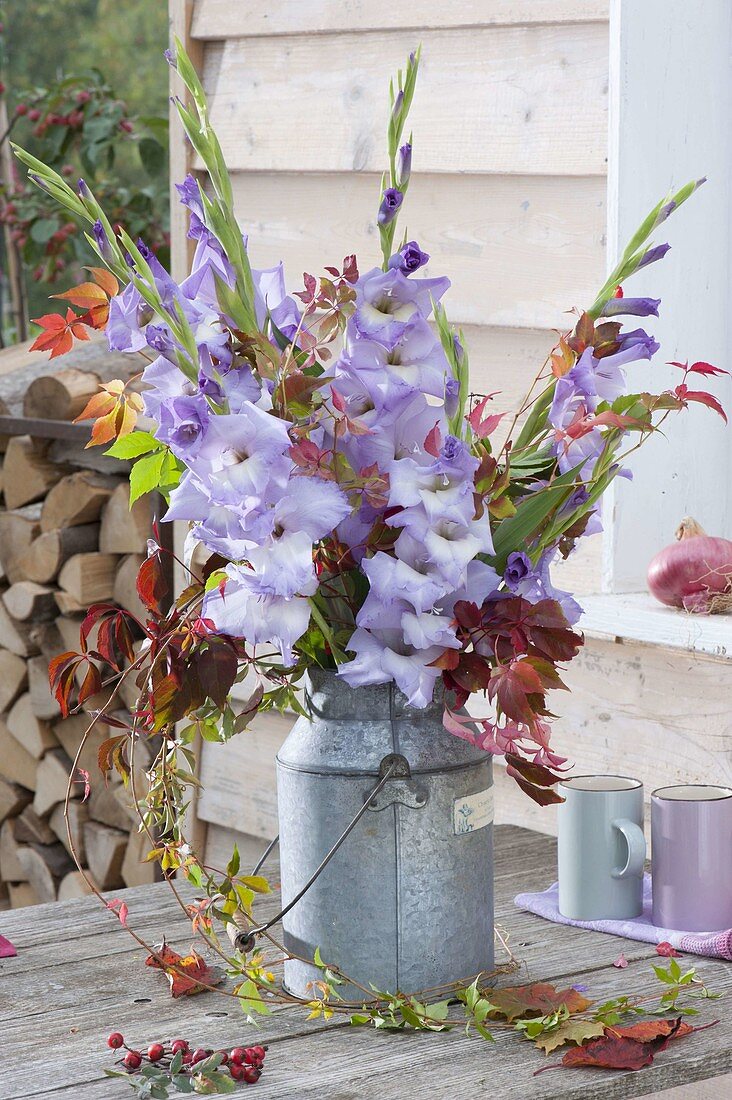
x: 562, y: 359
x: 113, y: 411
x: 85, y: 295
x: 106, y: 280
x: 538, y: 999
x: 58, y: 333
x: 187, y: 974
x: 93, y: 297
x: 626, y: 1048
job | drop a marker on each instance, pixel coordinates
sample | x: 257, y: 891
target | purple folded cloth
x: 7, y: 949
x: 717, y: 945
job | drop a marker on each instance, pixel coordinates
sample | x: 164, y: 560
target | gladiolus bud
x: 398, y: 104
x: 390, y: 203
x: 404, y: 165
x: 103, y: 243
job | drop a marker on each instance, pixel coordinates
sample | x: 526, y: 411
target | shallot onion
x: 695, y: 572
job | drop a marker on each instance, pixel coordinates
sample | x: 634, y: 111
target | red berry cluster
x: 243, y: 1063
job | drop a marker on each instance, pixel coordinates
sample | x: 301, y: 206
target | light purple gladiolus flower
x: 271, y: 299
x: 425, y: 630
x: 160, y: 339
x: 409, y: 258
x: 129, y: 314
x: 386, y: 300
x: 481, y: 581
x: 391, y: 200
x: 391, y: 579
x: 631, y: 307
x: 441, y: 490
x: 246, y: 609
x: 83, y: 189
x: 244, y: 455
x: 312, y: 505
x: 383, y: 655
x: 183, y: 421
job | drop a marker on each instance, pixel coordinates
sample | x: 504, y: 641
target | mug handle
x: 636, y: 842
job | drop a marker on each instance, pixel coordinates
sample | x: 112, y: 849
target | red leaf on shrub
x: 534, y: 779
x: 62, y: 679
x: 86, y: 781
x: 517, y: 688
x: 468, y: 615
x: 701, y: 397
x: 472, y: 673
x: 432, y: 441
x: 484, y: 425
x: 152, y: 586
x: 110, y: 754
x: 58, y: 333
x: 91, y: 684
x: 217, y: 666
x: 699, y: 367
x: 119, y: 908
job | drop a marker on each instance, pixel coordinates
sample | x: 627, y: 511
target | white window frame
x: 670, y: 121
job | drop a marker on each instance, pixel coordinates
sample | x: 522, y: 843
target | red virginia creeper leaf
x: 538, y: 999
x: 185, y: 974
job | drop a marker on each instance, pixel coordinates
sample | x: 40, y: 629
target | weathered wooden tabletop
x: 78, y: 976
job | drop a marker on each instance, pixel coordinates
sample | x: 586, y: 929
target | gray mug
x: 691, y: 836
x: 601, y: 847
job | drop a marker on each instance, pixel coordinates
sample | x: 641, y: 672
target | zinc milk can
x: 406, y: 903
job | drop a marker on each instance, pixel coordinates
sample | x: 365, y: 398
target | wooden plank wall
x: 507, y: 195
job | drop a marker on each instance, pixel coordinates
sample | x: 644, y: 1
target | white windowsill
x: 637, y: 617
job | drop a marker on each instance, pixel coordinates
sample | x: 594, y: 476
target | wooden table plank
x: 78, y: 976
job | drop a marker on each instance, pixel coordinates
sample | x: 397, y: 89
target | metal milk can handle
x: 393, y: 769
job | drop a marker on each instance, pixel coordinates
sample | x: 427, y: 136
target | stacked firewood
x: 68, y: 539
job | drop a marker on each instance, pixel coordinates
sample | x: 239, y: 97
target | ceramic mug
x: 691, y: 839
x: 601, y: 847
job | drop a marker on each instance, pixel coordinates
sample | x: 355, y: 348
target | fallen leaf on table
x: 187, y: 974
x: 626, y: 1048
x: 621, y: 962
x: 646, y: 1030
x: 7, y: 949
x: 667, y: 951
x: 538, y: 999
x: 570, y: 1031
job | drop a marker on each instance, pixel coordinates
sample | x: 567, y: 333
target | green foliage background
x: 48, y: 39
x: 45, y: 41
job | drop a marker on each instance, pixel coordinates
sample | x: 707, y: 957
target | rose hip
x: 116, y: 1040
x: 133, y: 1059
x: 179, y: 1045
x: 155, y: 1052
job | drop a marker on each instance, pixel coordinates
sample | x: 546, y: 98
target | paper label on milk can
x: 473, y: 811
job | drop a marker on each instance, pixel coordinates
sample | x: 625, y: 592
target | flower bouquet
x: 357, y: 513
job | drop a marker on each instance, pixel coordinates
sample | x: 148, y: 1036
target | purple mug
x: 691, y: 839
